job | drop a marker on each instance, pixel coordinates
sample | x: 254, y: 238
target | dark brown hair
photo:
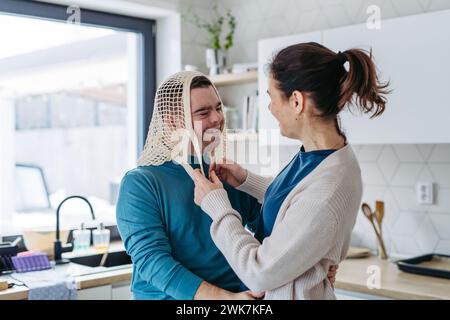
x: 200, y: 82
x: 320, y: 73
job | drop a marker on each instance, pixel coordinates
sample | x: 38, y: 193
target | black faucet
x: 58, y: 247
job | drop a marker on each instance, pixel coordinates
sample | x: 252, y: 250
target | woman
x: 310, y: 208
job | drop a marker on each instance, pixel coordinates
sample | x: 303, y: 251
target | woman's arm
x: 303, y: 238
x: 255, y: 185
x: 295, y: 245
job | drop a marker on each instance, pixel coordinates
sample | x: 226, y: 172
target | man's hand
x: 207, y: 291
x: 247, y: 295
x: 332, y: 274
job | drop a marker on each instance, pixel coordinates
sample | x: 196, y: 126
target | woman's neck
x: 323, y: 137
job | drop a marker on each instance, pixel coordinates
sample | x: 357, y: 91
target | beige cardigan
x: 311, y: 232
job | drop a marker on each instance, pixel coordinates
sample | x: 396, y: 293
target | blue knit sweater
x: 168, y: 236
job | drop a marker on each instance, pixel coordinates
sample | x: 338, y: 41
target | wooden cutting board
x: 3, y: 285
x: 356, y: 253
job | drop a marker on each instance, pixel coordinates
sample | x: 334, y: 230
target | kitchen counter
x: 395, y: 284
x: 85, y: 277
x: 352, y: 276
x: 94, y: 278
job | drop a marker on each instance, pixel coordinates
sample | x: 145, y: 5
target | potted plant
x: 217, y: 48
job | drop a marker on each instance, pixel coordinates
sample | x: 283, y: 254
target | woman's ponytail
x: 361, y: 84
x: 320, y: 72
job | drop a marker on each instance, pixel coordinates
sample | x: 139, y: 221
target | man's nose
x: 216, y: 117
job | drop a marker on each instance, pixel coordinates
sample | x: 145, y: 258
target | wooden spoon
x: 371, y: 216
x: 379, y: 212
x: 377, y: 228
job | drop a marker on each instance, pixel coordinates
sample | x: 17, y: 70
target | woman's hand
x: 229, y: 172
x: 204, y: 186
x: 332, y: 274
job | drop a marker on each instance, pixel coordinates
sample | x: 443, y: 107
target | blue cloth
x: 300, y: 166
x: 168, y: 236
x: 48, y: 284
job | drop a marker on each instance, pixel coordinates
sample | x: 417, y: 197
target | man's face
x: 207, y: 112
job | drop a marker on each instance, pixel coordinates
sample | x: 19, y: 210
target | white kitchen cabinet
x: 116, y: 291
x: 412, y: 52
x: 121, y: 291
x: 353, y: 295
x: 96, y: 293
x: 268, y: 125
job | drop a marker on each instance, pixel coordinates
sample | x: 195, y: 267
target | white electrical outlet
x: 425, y: 194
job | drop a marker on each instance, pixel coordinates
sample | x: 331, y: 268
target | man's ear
x: 298, y: 102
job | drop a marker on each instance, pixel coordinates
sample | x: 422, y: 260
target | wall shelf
x: 234, y: 78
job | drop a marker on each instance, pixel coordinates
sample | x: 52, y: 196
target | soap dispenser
x: 81, y: 238
x: 101, y: 238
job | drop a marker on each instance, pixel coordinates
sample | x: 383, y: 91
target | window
x: 76, y: 96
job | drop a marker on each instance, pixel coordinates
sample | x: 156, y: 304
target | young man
x: 166, y: 234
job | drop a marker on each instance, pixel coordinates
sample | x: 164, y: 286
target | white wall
x: 389, y: 171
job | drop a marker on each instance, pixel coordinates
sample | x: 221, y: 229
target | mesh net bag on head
x: 171, y: 131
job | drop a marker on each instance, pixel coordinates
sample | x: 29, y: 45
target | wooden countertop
x: 353, y: 276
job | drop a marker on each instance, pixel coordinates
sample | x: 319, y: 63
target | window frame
x: 146, y: 79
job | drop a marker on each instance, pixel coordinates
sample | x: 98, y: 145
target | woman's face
x: 207, y: 112
x: 285, y: 110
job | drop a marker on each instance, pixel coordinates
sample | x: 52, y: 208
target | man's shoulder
x: 143, y: 175
x: 148, y: 171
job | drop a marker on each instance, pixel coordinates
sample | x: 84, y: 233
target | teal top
x: 302, y: 164
x: 168, y: 236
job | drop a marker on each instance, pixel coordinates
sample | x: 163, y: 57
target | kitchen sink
x: 114, y: 259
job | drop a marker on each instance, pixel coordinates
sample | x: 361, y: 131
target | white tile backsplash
x: 372, y: 174
x: 440, y: 153
x: 442, y: 224
x: 408, y: 153
x: 425, y: 150
x: 404, y: 246
x: 407, y: 174
x: 390, y: 172
x: 407, y: 223
x: 369, y: 152
x: 443, y: 247
x: 426, y: 235
x: 388, y: 162
x: 406, y: 199
x: 441, y: 172
x: 442, y: 202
